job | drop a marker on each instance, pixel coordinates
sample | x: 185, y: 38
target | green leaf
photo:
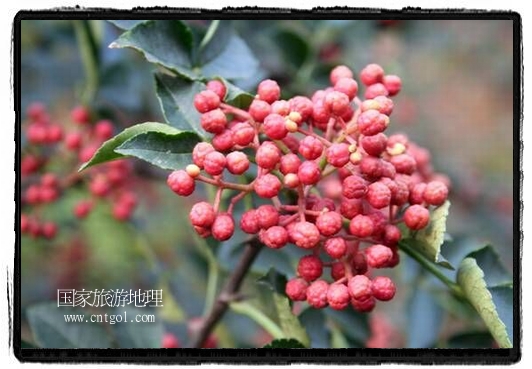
x: 354, y: 325
x: 470, y: 340
x: 235, y: 96
x: 489, y: 261
x: 215, y: 40
x: 425, y: 317
x: 107, y: 151
x: 285, y: 343
x: 471, y: 279
x: 274, y: 280
x: 132, y: 334
x: 165, y: 42
x: 315, y: 323
x: 176, y: 97
x: 290, y: 324
x: 167, y: 151
x: 293, y: 46
x: 50, y: 330
x: 428, y: 241
x: 125, y: 24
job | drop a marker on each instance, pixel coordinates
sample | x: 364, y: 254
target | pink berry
x: 385, y: 104
x: 267, y: 186
x: 383, y: 288
x: 372, y: 122
x: 170, y: 341
x: 24, y: 223
x: 360, y: 287
x: 289, y: 163
x: 214, y: 163
x: 309, y: 173
x: 281, y: 107
x: 416, y: 193
x: 378, y: 256
x: 338, y: 154
x: 36, y: 133
x: 100, y: 186
x: 374, y: 145
x: 87, y: 153
x: 267, y: 216
x: 347, y: 86
x: 310, y: 268
x: 359, y: 264
x: 200, y: 151
x: 403, y: 163
x: 214, y: 121
x: 337, y: 270
x: 361, y: 226
x: 364, y: 305
x: 329, y: 223
x: 377, y: 89
x: 237, y: 162
x: 54, y: 133
x: 49, y: 180
x: 379, y: 195
x: 249, y: 222
x: 435, y: 193
x: 269, y: 91
x: 275, y: 127
x: 268, y: 155
x: 335, y: 247
x: 202, y: 231
x: 354, y: 187
x: 337, y: 102
x: 29, y: 164
x: 392, y: 235
x: 371, y: 74
x: 202, y: 214
x: 275, y: 237
x: 317, y: 294
x: 259, y: 110
x: 36, y: 111
x: 80, y: 115
x: 310, y: 148
x: 122, y: 212
x: 416, y: 217
x: 217, y: 87
x: 349, y: 208
x: 181, y: 183
x: 392, y: 84
x: 103, y: 130
x: 296, y: 289
x: 49, y: 230
x: 302, y: 105
x: 32, y: 194
x: 305, y: 235
x: 320, y: 115
x: 291, y: 180
x: 48, y: 194
x: 223, y: 227
x: 206, y: 101
x: 223, y: 141
x: 338, y: 296
x: 73, y: 141
x: 243, y: 133
x: 339, y: 72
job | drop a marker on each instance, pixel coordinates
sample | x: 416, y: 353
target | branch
x: 228, y: 293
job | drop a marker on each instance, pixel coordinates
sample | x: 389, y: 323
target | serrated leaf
x: 489, y: 261
x: 470, y: 277
x: 132, y: 334
x: 235, y: 96
x: 428, y: 241
x: 284, y: 343
x: 290, y: 324
x: 165, y: 42
x: 274, y: 280
x: 167, y: 151
x: 50, y: 330
x: 425, y: 317
x: 106, y: 152
x: 176, y: 97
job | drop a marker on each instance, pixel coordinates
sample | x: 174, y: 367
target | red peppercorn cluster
x: 50, y: 147
x: 352, y: 183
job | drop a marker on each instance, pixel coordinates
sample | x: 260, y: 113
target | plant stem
x: 245, y: 308
x: 228, y: 293
x: 432, y: 268
x: 90, y: 58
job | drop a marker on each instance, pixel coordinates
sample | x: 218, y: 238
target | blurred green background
x: 456, y: 101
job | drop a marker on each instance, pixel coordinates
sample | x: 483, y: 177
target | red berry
x: 392, y: 84
x: 73, y: 140
x: 371, y: 74
x: 335, y: 247
x: 416, y: 193
x: 243, y: 133
x: 403, y: 163
x: 200, y: 151
x: 374, y: 145
x: 249, y: 222
x: 223, y: 227
x: 292, y: 143
x: 214, y: 121
x: 338, y: 296
x: 267, y: 216
x: 317, y: 294
x: 364, y: 305
x: 281, y: 107
x: 49, y: 180
x: 49, y: 230
x: 320, y: 115
x: 103, y: 130
x: 377, y: 89
x: 310, y: 268
x: 170, y: 341
x: 122, y: 212
x: 80, y: 115
x: 82, y: 208
x: 329, y: 223
x: 337, y: 102
x: 267, y: 186
x: 347, y: 86
x: 275, y: 237
x: 310, y: 148
x: 275, y: 127
x: 379, y: 195
x: 87, y: 153
x: 54, y: 133
x: 223, y: 141
x: 392, y: 235
x: 24, y: 223
x: 296, y: 289
x: 337, y: 270
x: 36, y: 111
x: 361, y: 226
x: 359, y: 264
x: 289, y: 163
x: 354, y: 187
x: 302, y: 105
x: 214, y: 163
x: 385, y: 104
x: 339, y: 72
x: 237, y: 162
x: 309, y: 173
x: 48, y: 194
x: 269, y: 91
x: 206, y: 101
x: 217, y: 87
x: 100, y: 186
x: 383, y: 288
x: 36, y: 133
x: 181, y: 183
x: 435, y: 193
x: 349, y: 208
x: 378, y: 256
x: 32, y: 194
x: 372, y: 122
x: 259, y: 110
x: 268, y: 155
x: 305, y: 235
x: 338, y: 154
x: 202, y: 214
x: 416, y: 217
x: 359, y: 287
x: 29, y: 164
x: 291, y: 180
